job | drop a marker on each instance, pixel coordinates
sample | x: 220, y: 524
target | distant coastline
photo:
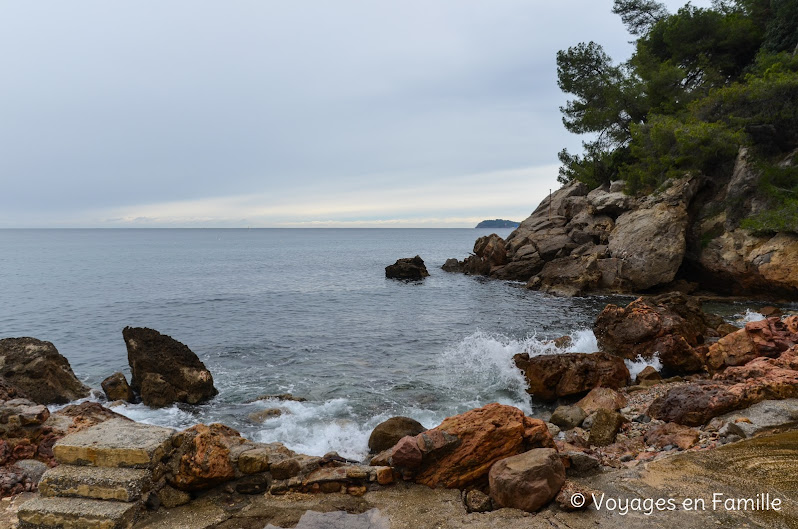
x: 497, y: 223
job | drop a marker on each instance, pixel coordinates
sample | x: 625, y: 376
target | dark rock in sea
x: 490, y: 253
x: 672, y: 326
x: 452, y: 265
x: 117, y: 388
x: 165, y: 371
x: 497, y: 223
x: 37, y: 369
x: 553, y: 376
x: 390, y: 432
x: 409, y: 268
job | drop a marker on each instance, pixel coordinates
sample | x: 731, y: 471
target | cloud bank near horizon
x: 200, y: 113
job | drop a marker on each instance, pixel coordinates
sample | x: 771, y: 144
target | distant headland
x: 497, y: 223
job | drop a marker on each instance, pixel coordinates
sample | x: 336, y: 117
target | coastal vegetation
x: 701, y: 84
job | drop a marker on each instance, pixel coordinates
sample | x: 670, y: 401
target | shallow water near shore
x: 305, y: 311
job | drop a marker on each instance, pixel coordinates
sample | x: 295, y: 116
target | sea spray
x: 639, y: 364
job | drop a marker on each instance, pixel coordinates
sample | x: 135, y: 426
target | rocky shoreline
x: 687, y: 236
x: 717, y: 385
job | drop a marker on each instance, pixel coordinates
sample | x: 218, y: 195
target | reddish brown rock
x: 566, y: 501
x: 735, y: 388
x: 527, y: 481
x: 648, y: 375
x: 670, y: 326
x: 672, y: 434
x: 461, y: 450
x: 9, y: 391
x: 204, y: 457
x: 553, y: 376
x: 602, y: 398
x: 769, y: 337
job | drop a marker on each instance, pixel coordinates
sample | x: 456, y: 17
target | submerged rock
x: 410, y: 268
x: 165, y: 371
x: 35, y: 368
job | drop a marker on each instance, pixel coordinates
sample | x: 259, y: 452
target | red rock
x: 553, y: 376
x: 406, y: 453
x: 602, y: 398
x: 204, y: 457
x: 527, y: 481
x: 670, y: 325
x: 672, y: 434
x: 769, y: 337
x: 565, y: 498
x: 461, y: 450
x: 733, y: 389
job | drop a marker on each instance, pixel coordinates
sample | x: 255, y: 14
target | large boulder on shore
x: 550, y: 377
x: 388, y: 433
x: 204, y: 457
x: 671, y: 326
x: 36, y: 369
x: 735, y: 388
x: 527, y: 481
x: 409, y: 269
x: 165, y: 371
x: 489, y: 253
x: 769, y: 337
x: 461, y: 450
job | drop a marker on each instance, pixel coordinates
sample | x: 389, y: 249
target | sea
x: 301, y: 311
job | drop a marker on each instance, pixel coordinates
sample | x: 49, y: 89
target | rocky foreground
x: 711, y: 420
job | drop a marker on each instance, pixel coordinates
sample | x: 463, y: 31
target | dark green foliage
x: 779, y: 183
x: 701, y: 83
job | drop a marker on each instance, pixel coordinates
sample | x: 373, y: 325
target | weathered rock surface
x: 671, y: 326
x: 460, y: 451
x: 165, y: 371
x: 769, y: 337
x: 599, y: 398
x: 733, y: 389
x: 672, y: 434
x: 568, y: 417
x: 605, y: 427
x: 553, y: 376
x: 635, y: 244
x: 117, y: 388
x: 527, y: 481
x: 409, y: 269
x: 37, y: 370
x: 390, y: 432
x: 204, y: 457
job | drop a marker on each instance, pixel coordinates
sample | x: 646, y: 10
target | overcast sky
x: 293, y: 113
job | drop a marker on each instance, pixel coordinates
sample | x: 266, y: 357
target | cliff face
x: 579, y: 241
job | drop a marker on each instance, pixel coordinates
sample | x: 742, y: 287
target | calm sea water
x: 289, y: 310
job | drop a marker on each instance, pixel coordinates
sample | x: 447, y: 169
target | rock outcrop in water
x: 580, y: 241
x: 37, y: 370
x: 408, y: 269
x: 165, y: 371
x: 550, y: 377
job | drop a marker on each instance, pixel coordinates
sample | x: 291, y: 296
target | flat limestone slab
x: 101, y: 483
x: 115, y: 443
x: 76, y: 513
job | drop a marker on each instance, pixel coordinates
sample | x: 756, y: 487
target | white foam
x: 750, y: 316
x: 483, y: 364
x: 639, y: 364
x: 583, y: 341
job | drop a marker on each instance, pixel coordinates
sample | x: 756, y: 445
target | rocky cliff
x: 580, y: 241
